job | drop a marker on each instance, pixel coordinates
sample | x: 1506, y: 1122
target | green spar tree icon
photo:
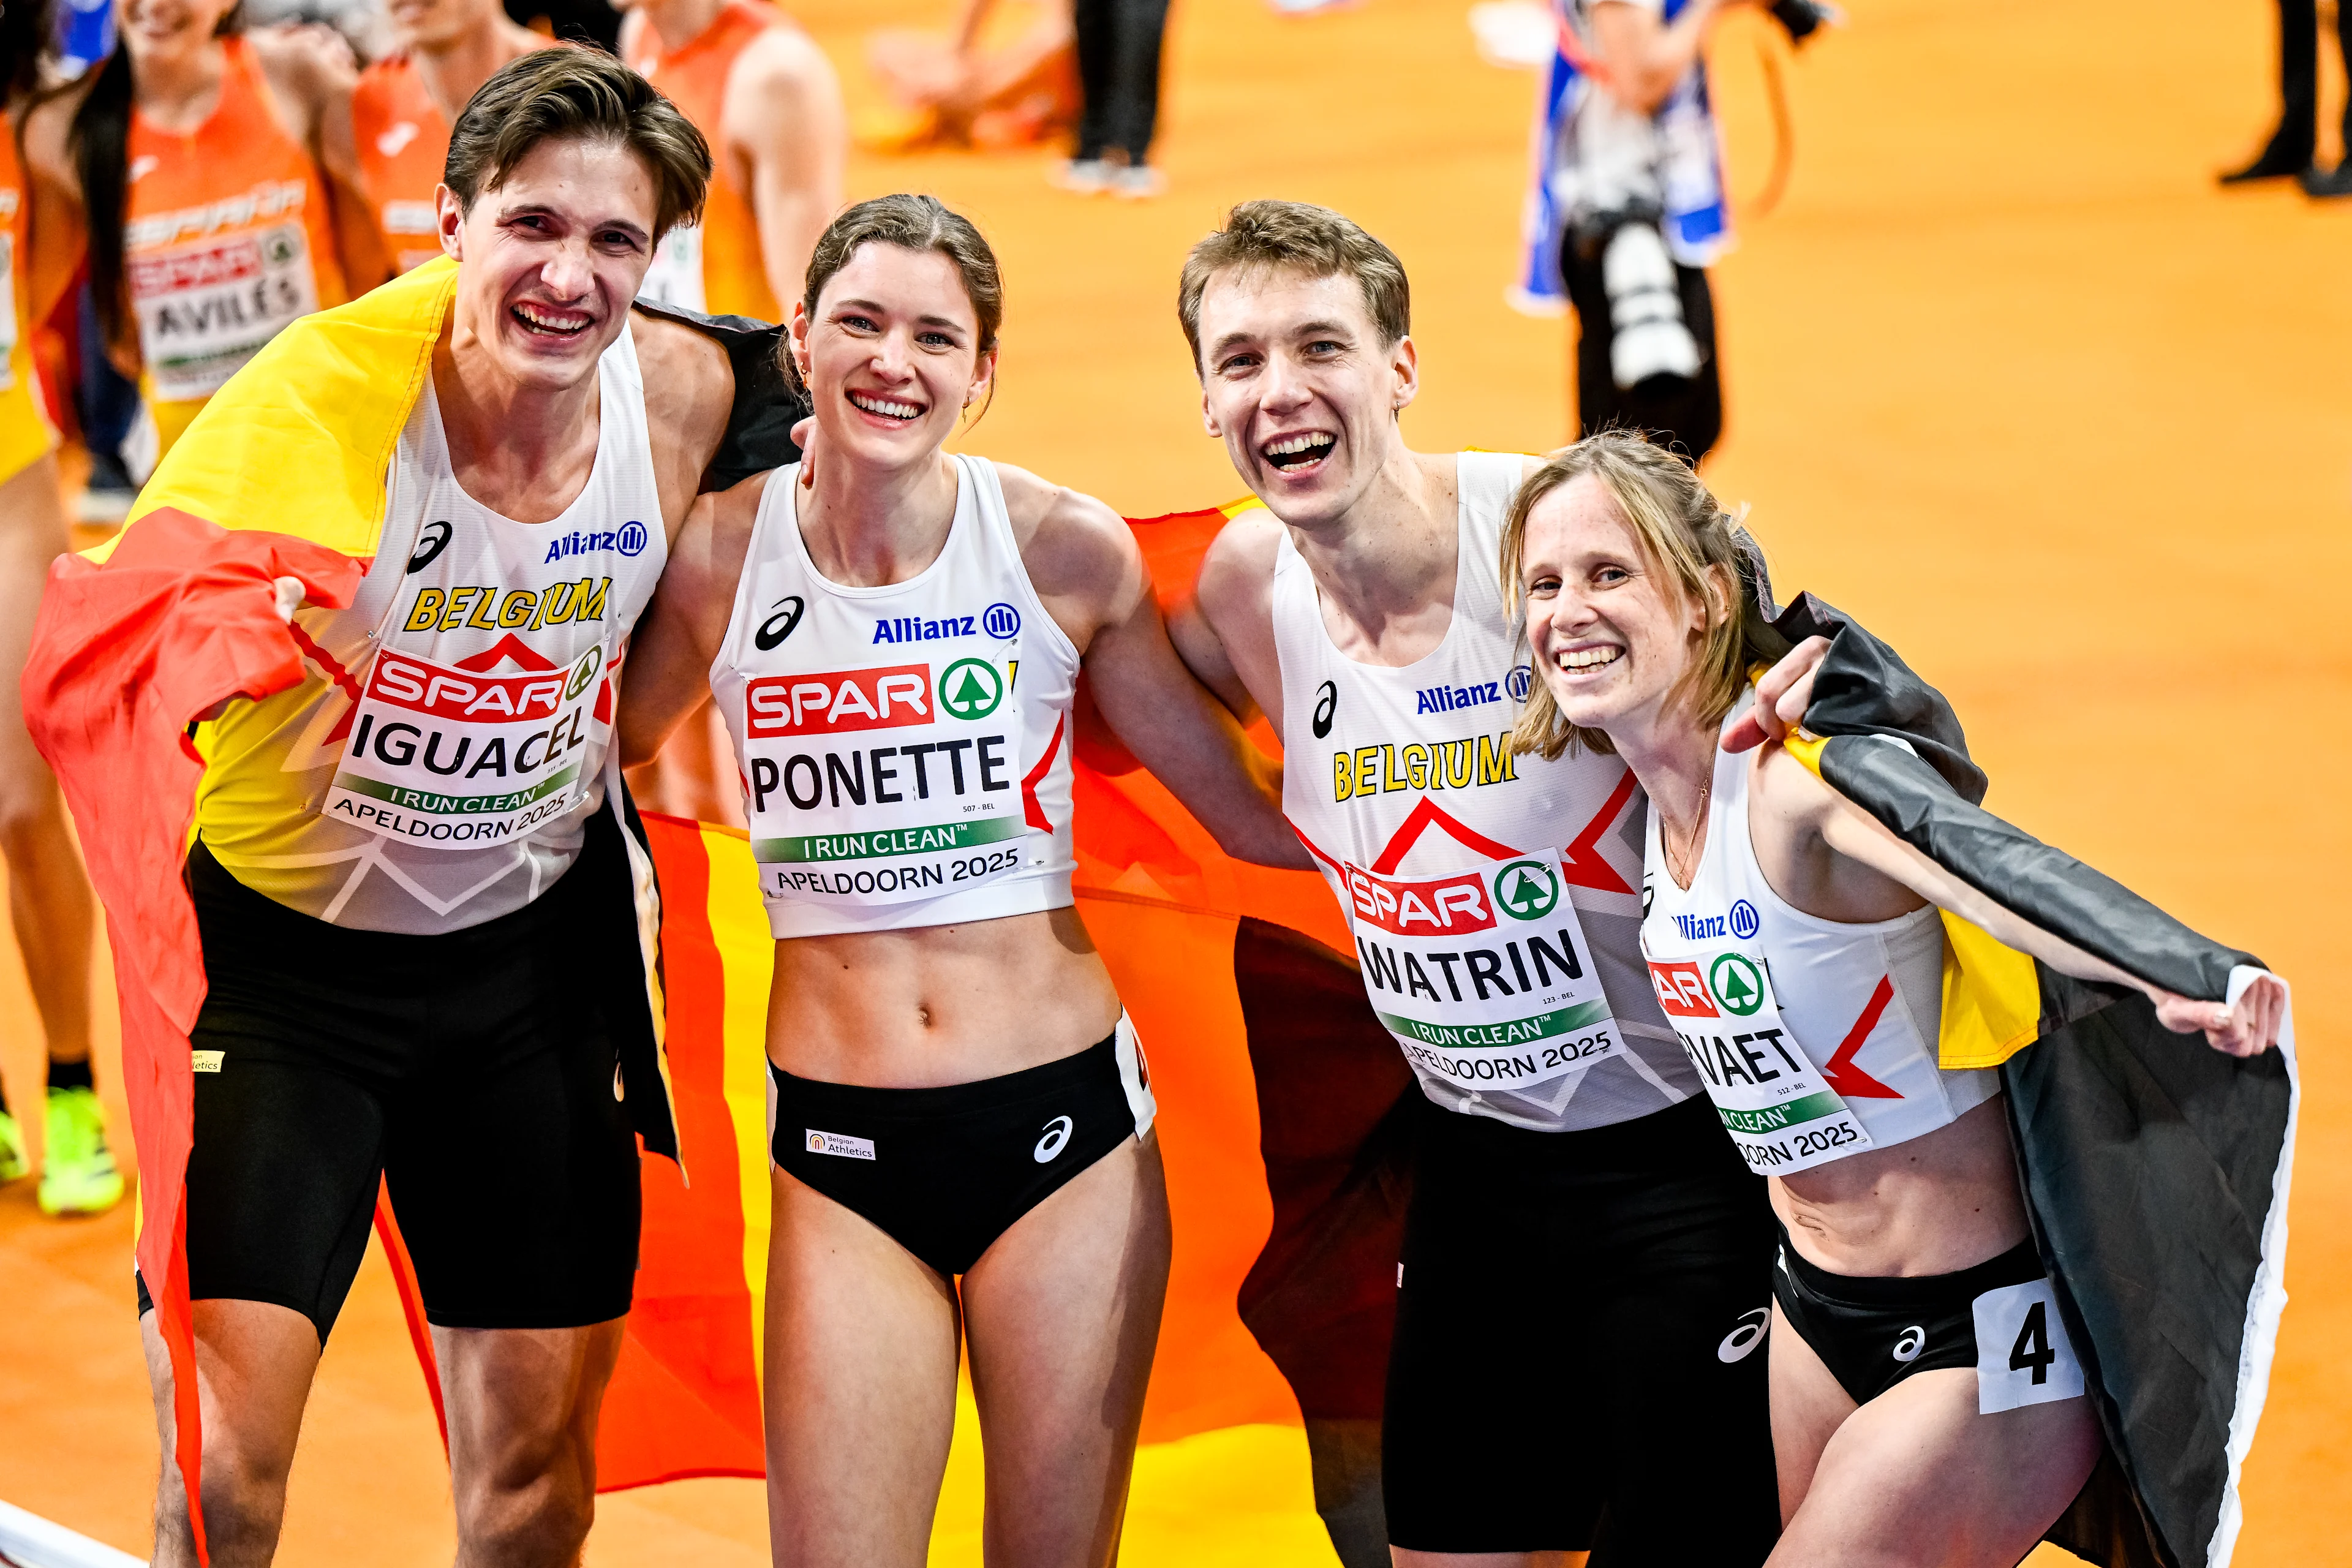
x: 1527, y: 890
x: 970, y: 690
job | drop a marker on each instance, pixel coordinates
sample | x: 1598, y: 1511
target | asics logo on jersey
x: 1326, y: 704
x: 629, y: 539
x: 1737, y: 1344
x: 1056, y: 1137
x: 1439, y: 764
x: 779, y: 627
x: 1446, y: 699
x: 486, y: 609
x: 430, y: 544
x: 780, y: 705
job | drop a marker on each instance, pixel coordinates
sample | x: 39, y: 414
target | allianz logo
x: 1477, y: 694
x: 1740, y: 923
x: 1000, y: 621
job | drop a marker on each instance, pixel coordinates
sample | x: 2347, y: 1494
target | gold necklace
x: 1681, y: 872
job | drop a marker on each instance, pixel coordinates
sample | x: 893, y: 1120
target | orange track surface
x: 2008, y: 377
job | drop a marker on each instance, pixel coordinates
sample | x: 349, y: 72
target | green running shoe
x: 78, y: 1174
x: 13, y: 1162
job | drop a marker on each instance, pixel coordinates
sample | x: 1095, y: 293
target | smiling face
x: 1295, y: 379
x: 891, y: 354
x: 549, y: 258
x: 432, y: 27
x: 166, y: 28
x: 1615, y: 634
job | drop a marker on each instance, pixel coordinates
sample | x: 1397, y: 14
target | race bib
x: 675, y: 278
x: 206, y: 308
x: 2023, y: 1357
x: 1483, y: 976
x: 878, y: 785
x: 1774, y: 1103
x: 454, y: 758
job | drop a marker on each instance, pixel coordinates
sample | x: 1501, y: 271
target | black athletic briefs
x: 1872, y: 1333
x: 472, y: 1070
x: 944, y: 1172
x: 1578, y: 1360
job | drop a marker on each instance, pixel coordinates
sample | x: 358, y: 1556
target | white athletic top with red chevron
x: 904, y: 749
x: 1863, y: 1003
x: 1508, y: 1000
x: 439, y: 767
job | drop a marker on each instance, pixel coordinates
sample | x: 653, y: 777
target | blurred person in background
x: 48, y: 896
x: 1631, y: 210
x: 2290, y: 149
x: 765, y: 96
x: 1118, y: 83
x: 196, y: 165
x: 401, y: 113
x: 978, y: 87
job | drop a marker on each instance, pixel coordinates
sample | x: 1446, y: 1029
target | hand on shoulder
x: 689, y: 386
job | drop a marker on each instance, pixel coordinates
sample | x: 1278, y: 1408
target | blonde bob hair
x: 1694, y: 545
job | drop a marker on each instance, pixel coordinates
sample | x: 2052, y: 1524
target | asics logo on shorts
x: 1739, y: 1342
x: 1056, y: 1137
x: 1913, y: 1341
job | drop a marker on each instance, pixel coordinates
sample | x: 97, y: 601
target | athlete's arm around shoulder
x: 670, y: 652
x: 1091, y: 576
x: 690, y: 393
x: 1224, y: 627
x: 1804, y: 830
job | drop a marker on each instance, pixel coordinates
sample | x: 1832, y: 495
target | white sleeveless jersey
x: 439, y: 769
x: 1494, y: 900
x: 904, y: 749
x: 1816, y: 1039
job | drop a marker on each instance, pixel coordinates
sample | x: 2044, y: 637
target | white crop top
x: 1816, y: 1039
x: 904, y: 749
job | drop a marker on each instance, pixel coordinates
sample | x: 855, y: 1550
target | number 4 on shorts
x: 2023, y: 1357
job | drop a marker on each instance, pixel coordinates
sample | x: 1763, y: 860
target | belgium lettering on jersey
x: 486, y: 609
x: 1442, y: 764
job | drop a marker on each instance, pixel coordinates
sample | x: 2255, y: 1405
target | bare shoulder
x: 47, y: 132
x: 781, y: 59
x: 689, y: 386
x: 1237, y: 569
x: 708, y: 560
x: 1071, y: 542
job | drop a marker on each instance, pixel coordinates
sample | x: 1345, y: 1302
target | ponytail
x: 100, y: 144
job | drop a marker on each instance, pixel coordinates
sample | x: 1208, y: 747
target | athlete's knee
x: 517, y: 1516
x: 32, y: 815
x: 244, y: 1505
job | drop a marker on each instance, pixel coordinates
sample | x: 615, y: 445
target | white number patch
x: 2023, y: 1357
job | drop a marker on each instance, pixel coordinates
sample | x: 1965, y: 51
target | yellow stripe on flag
x: 747, y: 957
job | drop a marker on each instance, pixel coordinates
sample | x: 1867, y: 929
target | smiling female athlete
x: 1927, y: 1407
x: 895, y: 648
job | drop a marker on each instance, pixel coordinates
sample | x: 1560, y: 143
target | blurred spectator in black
x: 1119, y: 80
x: 2289, y: 152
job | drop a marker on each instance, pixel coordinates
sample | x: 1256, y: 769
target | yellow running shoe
x: 78, y: 1175
x: 13, y: 1162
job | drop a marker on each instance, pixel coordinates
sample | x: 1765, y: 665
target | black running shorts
x: 1579, y: 1361
x: 473, y: 1071
x: 944, y: 1172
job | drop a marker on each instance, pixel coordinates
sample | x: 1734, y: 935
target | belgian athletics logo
x: 1736, y: 982
x: 1527, y: 890
x: 970, y: 688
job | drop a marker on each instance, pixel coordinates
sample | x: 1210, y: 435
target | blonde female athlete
x: 1926, y: 1405
x: 962, y: 1135
x: 48, y: 896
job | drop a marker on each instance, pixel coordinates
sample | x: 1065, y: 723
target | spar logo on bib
x: 837, y: 700
x: 970, y: 688
x: 1527, y: 890
x: 1440, y: 908
x: 1736, y: 982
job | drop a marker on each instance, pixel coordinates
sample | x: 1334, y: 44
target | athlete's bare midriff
x: 935, y: 1005
x: 1937, y: 1203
